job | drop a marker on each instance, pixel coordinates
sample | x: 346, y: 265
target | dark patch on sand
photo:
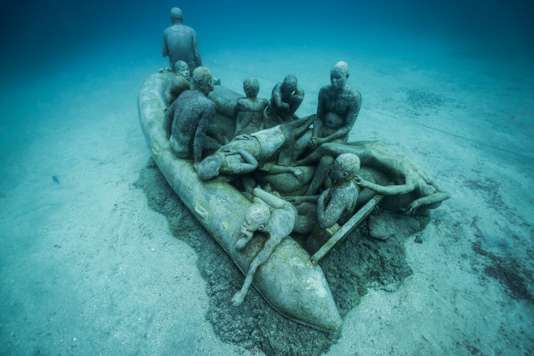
x: 506, y: 270
x: 359, y: 263
x: 421, y: 99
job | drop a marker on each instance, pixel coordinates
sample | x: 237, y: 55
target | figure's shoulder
x: 352, y: 94
x: 189, y: 29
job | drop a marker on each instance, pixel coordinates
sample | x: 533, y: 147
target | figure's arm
x: 200, y: 134
x: 385, y: 189
x: 242, y: 120
x: 320, y: 114
x: 303, y: 199
x: 428, y: 200
x: 270, y: 199
x: 165, y: 48
x: 329, y: 215
x: 196, y: 54
x: 250, y: 163
x: 296, y: 100
x: 273, y: 168
x: 277, y: 97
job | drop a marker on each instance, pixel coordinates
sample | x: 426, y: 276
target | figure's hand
x: 285, y: 106
x: 297, y: 172
x: 412, y: 208
x: 238, y: 299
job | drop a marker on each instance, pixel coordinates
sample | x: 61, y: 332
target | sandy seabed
x: 93, y: 262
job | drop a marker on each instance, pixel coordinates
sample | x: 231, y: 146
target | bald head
x: 177, y: 15
x: 343, y: 67
x: 346, y: 166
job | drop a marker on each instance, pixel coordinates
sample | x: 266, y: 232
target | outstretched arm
x: 277, y: 169
x: 270, y: 199
x: 428, y: 200
x: 385, y: 189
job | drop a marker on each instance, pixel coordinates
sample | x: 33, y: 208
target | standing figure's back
x: 180, y: 42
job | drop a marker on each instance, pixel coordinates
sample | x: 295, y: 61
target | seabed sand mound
x: 360, y: 262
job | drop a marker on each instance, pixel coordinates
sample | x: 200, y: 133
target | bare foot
x: 238, y: 299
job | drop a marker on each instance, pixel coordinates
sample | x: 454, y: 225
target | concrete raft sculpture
x: 288, y: 281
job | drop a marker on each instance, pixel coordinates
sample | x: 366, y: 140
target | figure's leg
x: 261, y: 258
x: 311, y: 158
x: 306, y: 218
x: 320, y: 174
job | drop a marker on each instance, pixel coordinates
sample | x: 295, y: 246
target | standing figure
x: 271, y: 215
x: 191, y: 113
x: 180, y: 42
x: 249, y: 110
x: 336, y: 204
x: 337, y: 109
x: 286, y: 99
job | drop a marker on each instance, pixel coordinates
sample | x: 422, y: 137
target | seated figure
x: 337, y: 108
x: 180, y: 42
x: 337, y: 204
x: 271, y: 215
x: 191, y: 113
x: 286, y: 99
x: 249, y: 110
x: 245, y: 153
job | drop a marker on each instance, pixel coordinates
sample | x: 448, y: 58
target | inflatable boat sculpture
x: 291, y: 281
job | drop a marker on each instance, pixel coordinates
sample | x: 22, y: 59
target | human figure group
x: 299, y: 173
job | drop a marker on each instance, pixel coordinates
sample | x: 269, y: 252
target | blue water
x: 451, y: 82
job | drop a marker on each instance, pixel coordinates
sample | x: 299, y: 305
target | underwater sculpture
x: 249, y: 110
x: 271, y: 215
x: 288, y: 281
x: 245, y: 153
x: 285, y: 100
x: 337, y: 203
x: 337, y: 108
x: 191, y: 113
x: 263, y: 248
x: 180, y: 42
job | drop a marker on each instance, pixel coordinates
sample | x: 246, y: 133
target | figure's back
x: 180, y: 41
x: 190, y: 106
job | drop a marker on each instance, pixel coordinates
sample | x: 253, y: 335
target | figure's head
x: 339, y: 75
x: 209, y: 167
x: 181, y: 68
x: 251, y: 87
x: 203, y: 80
x: 346, y: 166
x: 256, y: 218
x: 289, y: 85
x: 177, y: 15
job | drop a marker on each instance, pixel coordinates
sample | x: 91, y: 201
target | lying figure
x: 272, y: 216
x: 245, y: 153
x: 413, y: 192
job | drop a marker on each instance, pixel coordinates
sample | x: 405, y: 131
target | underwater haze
x: 93, y: 260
